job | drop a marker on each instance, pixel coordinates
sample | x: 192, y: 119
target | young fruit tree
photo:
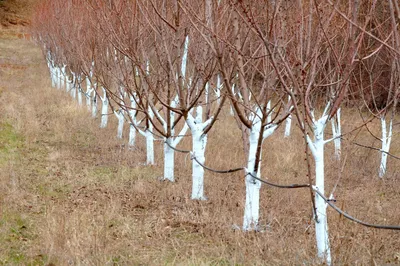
x: 313, y: 49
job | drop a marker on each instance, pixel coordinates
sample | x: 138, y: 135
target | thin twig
x: 348, y: 216
x: 380, y: 150
x: 277, y: 185
x: 214, y: 170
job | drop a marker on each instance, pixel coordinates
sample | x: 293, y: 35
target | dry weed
x: 72, y: 194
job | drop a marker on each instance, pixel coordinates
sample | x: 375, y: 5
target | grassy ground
x: 71, y: 194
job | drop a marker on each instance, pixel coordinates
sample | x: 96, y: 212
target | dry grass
x: 71, y: 194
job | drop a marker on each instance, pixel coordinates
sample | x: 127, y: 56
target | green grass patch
x: 16, y: 235
x: 10, y: 143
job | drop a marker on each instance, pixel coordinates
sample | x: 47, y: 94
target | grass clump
x: 17, y: 234
x: 10, y: 142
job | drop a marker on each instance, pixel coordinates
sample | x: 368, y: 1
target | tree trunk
x: 288, y: 126
x: 252, y: 204
x: 73, y: 91
x: 104, y: 109
x: 199, y: 142
x: 79, y: 91
x: 150, y: 141
x: 121, y: 121
x: 94, y: 105
x: 132, y: 129
x: 58, y: 77
x: 62, y: 77
x: 169, y: 155
x: 53, y: 75
x: 321, y: 221
x: 88, y: 93
x: 386, y: 140
x: 199, y: 148
x: 336, y: 132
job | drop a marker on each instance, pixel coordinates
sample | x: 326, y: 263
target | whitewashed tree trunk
x: 169, y: 153
x: 199, y: 142
x: 68, y: 85
x: 269, y: 112
x: 79, y: 90
x: 321, y: 221
x: 150, y: 140
x: 56, y: 76
x: 169, y: 160
x: 232, y: 113
x: 132, y: 129
x: 386, y: 140
x: 94, y: 104
x: 88, y: 93
x: 120, y: 114
x: 104, y: 109
x: 73, y: 90
x: 218, y: 89
x: 252, y: 204
x: 288, y: 123
x: 53, y: 75
x: 59, y: 77
x: 185, y: 55
x: 62, y: 77
x: 336, y: 132
x: 121, y: 120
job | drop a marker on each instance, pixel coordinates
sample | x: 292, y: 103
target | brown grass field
x: 71, y: 194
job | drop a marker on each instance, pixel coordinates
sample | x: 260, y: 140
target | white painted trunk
x: 121, y: 121
x: 321, y: 223
x: 132, y: 136
x: 184, y: 57
x: 336, y: 132
x: 62, y: 77
x: 386, y: 140
x: 73, y: 90
x: 233, y: 91
x: 321, y: 226
x: 172, y: 141
x: 252, y: 204
x: 288, y: 126
x: 94, y: 105
x: 132, y: 129
x: 199, y: 148
x: 169, y: 162
x: 68, y: 85
x: 288, y: 123
x: 199, y: 142
x: 55, y: 69
x: 52, y: 75
x: 79, y: 91
x: 269, y: 112
x: 206, y: 93
x: 59, y: 78
x: 150, y: 141
x: 88, y: 93
x: 218, y: 89
x: 104, y: 110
